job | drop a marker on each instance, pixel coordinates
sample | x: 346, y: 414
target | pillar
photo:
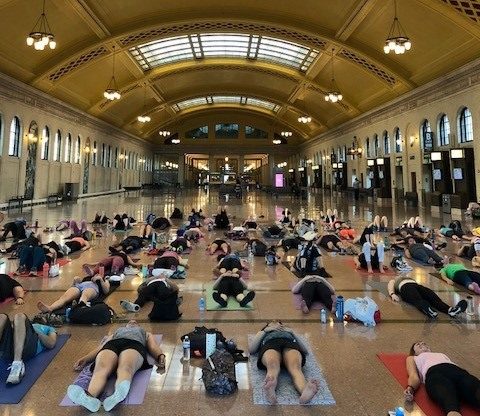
x: 181, y: 169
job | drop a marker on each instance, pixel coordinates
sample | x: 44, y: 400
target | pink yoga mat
x: 396, y: 365
x: 136, y: 395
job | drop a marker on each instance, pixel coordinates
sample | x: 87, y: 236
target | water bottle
x: 36, y: 223
x: 186, y: 348
x: 154, y: 241
x: 323, y: 316
x: 67, y: 314
x: 250, y: 253
x: 144, y: 271
x: 201, y: 304
x: 339, y: 308
x: 470, y: 307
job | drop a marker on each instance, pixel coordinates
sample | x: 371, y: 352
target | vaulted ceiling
x: 275, y: 54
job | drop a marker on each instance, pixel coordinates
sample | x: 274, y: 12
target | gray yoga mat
x: 286, y: 393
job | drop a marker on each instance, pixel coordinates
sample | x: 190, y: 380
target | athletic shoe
x: 403, y: 267
x: 430, y: 312
x: 217, y: 298
x: 17, y: 371
x: 79, y: 396
x: 247, y: 299
x: 121, y: 391
x: 459, y: 308
x: 129, y: 306
x: 129, y: 270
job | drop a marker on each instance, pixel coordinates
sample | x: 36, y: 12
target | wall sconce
x: 32, y: 138
x: 121, y: 156
x: 412, y: 140
x: 126, y: 157
x: 95, y: 150
x: 86, y: 149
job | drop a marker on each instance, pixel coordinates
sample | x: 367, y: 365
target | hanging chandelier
x: 397, y: 40
x: 276, y: 141
x: 286, y: 133
x: 112, y: 92
x: 164, y: 133
x: 304, y: 119
x: 176, y: 141
x: 41, y: 34
x: 143, y: 118
x: 333, y: 95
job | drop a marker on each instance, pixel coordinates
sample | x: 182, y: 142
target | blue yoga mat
x: 13, y: 394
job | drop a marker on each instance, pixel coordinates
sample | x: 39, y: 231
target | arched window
x: 386, y: 143
x: 15, y: 134
x: 45, y: 143
x: 397, y: 136
x: 57, y: 146
x: 1, y: 134
x: 103, y: 162
x: 426, y: 135
x: 77, y: 150
x: 109, y: 157
x: 94, y: 154
x: 115, y: 160
x: 443, y: 131
x: 68, y: 148
x: 376, y: 145
x: 367, y: 146
x: 465, y: 127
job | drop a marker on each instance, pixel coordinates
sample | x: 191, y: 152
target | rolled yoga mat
x: 396, y: 365
x: 232, y: 304
x: 138, y: 388
x: 13, y: 394
x: 286, y: 393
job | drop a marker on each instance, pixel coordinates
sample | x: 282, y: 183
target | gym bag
x: 198, y: 339
x: 218, y: 373
x: 98, y: 313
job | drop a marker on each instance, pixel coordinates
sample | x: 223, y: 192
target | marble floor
x: 358, y: 381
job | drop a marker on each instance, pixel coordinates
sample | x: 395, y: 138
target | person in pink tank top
x: 446, y: 383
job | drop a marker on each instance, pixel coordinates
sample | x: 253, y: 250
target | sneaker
x: 17, y: 371
x: 129, y: 270
x: 459, y: 308
x: 403, y: 267
x: 121, y: 391
x: 79, y: 396
x: 430, y: 312
x: 217, y: 298
x: 247, y: 299
x: 129, y: 306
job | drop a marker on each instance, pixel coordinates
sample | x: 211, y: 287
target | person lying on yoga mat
x: 16, y: 229
x: 401, y: 243
x: 31, y: 259
x: 180, y: 244
x: 286, y: 218
x: 122, y: 221
x: 288, y: 242
x: 169, y: 260
x: 416, y: 223
x: 371, y: 257
x: 176, y: 214
x: 471, y: 251
x: 84, y: 290
x: 75, y: 244
x: 221, y: 220
x: 380, y: 223
x: 273, y: 231
x: 424, y: 254
x: 124, y: 353
x: 330, y: 217
x: 344, y: 230
x: 453, y: 231
x: 277, y: 346
x: 31, y: 240
x: 230, y: 283
x: 219, y: 244
x: 308, y: 260
x: 250, y: 223
x: 10, y: 288
x: 100, y: 218
x: 332, y: 243
x: 193, y: 234
x: 129, y: 245
x: 258, y: 247
x: 229, y: 262
x: 21, y: 340
x: 315, y: 289
x: 161, y: 223
x: 446, y: 384
x: 112, y: 265
x: 422, y: 297
x: 77, y: 229
x: 366, y: 236
x: 459, y: 274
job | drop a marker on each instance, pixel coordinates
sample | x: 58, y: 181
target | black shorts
x: 219, y: 242
x: 230, y: 264
x: 230, y: 286
x: 122, y: 344
x: 166, y: 263
x: 73, y: 246
x: 280, y: 345
x: 7, y: 341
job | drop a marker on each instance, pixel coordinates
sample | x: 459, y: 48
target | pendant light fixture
x: 112, y: 92
x: 41, y: 35
x: 143, y: 118
x: 333, y: 95
x: 305, y: 118
x: 397, y: 40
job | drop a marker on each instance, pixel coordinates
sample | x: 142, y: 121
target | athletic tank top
x: 427, y: 360
x: 135, y: 333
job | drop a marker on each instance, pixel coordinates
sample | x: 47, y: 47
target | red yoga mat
x: 396, y: 365
x: 364, y: 273
x: 61, y: 262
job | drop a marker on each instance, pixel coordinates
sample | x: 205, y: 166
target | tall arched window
x: 397, y: 136
x: 115, y: 160
x: 465, y: 126
x: 426, y: 135
x: 68, y: 149
x: 45, y: 143
x: 109, y: 157
x: 443, y: 131
x: 78, y: 143
x: 15, y: 134
x: 94, y: 154
x: 104, y: 155
x: 367, y: 146
x: 386, y: 143
x: 376, y: 145
x: 57, y: 146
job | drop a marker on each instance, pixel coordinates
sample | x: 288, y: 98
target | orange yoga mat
x: 364, y: 273
x: 396, y: 365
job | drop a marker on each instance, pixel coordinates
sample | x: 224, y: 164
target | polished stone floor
x: 359, y: 382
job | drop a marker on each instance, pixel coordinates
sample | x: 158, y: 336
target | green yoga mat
x: 232, y: 305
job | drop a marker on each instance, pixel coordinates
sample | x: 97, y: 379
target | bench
x: 54, y: 199
x: 16, y: 202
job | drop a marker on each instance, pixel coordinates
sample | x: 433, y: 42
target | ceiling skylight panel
x: 226, y: 99
x: 224, y: 44
x: 263, y: 104
x: 194, y: 102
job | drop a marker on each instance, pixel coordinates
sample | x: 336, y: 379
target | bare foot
x: 370, y: 271
x: 304, y: 307
x: 309, y: 391
x: 269, y: 386
x: 382, y: 270
x: 42, y: 307
x: 446, y: 260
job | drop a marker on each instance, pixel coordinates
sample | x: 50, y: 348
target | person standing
x: 356, y: 189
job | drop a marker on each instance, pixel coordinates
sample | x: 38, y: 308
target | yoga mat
x: 455, y: 285
x: 61, y: 262
x: 232, y: 305
x: 297, y: 301
x: 136, y: 395
x: 245, y: 274
x: 286, y: 393
x: 13, y: 394
x: 287, y: 265
x: 363, y: 272
x: 396, y: 365
x: 381, y: 287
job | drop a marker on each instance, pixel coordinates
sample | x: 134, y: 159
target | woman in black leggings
x: 423, y: 298
x: 315, y: 289
x: 446, y: 383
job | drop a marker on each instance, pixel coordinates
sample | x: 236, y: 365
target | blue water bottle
x: 67, y: 314
x: 201, y: 304
x: 144, y: 271
x: 339, y: 308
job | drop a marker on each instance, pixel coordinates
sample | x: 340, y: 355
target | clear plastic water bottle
x: 144, y: 271
x: 67, y: 314
x: 323, y: 316
x: 201, y: 304
x: 186, y: 348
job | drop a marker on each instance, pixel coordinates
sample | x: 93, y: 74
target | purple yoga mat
x: 297, y: 301
x: 10, y: 394
x: 136, y: 395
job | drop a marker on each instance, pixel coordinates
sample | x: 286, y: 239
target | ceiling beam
x: 355, y: 18
x: 89, y: 17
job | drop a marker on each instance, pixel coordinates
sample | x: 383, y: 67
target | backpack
x: 198, y: 339
x: 98, y: 313
x: 162, y: 238
x: 164, y: 310
x: 150, y: 218
x: 271, y: 258
x: 218, y: 373
x: 259, y: 249
x: 363, y: 310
